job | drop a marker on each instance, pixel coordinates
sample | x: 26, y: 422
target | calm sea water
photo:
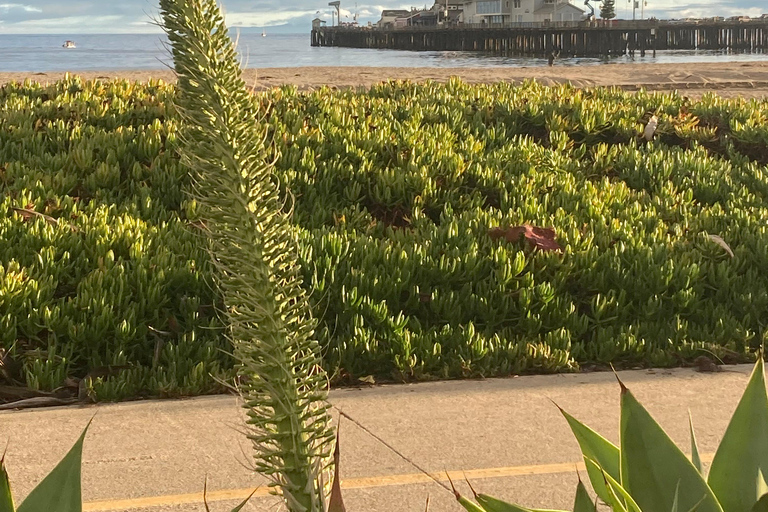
x: 41, y: 53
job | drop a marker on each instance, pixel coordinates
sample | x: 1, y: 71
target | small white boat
x: 69, y: 44
x: 263, y: 33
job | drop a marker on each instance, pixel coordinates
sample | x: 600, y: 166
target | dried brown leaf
x: 539, y: 238
x: 719, y: 241
x: 29, y: 214
x: 368, y: 379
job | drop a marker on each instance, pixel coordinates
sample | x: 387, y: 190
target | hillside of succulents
x: 406, y: 198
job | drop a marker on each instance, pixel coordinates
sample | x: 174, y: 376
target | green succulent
x: 60, y: 490
x: 649, y: 473
x: 392, y: 193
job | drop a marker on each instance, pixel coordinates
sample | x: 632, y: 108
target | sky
x: 288, y: 16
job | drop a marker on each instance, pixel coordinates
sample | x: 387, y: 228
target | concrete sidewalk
x: 505, y: 434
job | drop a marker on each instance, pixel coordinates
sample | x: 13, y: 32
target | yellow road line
x: 352, y: 483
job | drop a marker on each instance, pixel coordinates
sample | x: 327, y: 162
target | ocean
x: 44, y: 53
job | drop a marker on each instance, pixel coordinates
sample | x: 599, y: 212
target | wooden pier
x: 582, y: 39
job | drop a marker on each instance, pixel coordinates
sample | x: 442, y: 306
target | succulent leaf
x: 618, y: 497
x: 491, y: 504
x: 675, y: 503
x: 583, y: 501
x: 652, y: 466
x: 243, y: 503
x: 742, y: 456
x: 6, y: 498
x: 336, y: 500
x: 597, y: 448
x: 695, y: 458
x: 761, y: 505
x: 469, y: 506
x: 60, y: 490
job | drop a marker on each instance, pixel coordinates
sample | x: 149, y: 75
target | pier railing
x: 567, y: 38
x: 598, y: 24
x: 617, y: 24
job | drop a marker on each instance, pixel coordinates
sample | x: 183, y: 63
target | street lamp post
x: 336, y: 4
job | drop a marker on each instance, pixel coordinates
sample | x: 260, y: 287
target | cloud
x: 135, y: 16
x: 665, y: 9
x: 81, y: 25
x: 264, y: 19
x: 6, y: 8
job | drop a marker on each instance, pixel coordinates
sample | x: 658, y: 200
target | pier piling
x: 579, y: 39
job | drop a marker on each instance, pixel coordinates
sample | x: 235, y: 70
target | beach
x: 729, y: 79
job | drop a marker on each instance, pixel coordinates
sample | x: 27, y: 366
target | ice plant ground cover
x: 399, y: 194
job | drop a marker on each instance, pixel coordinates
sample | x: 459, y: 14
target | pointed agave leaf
x: 244, y: 503
x: 336, y: 503
x: 695, y: 458
x: 618, y: 497
x: 599, y: 449
x: 762, y: 486
x: 6, y: 498
x: 491, y: 504
x: 236, y: 509
x: 583, y: 502
x: 675, y: 504
x: 743, y: 452
x: 469, y: 506
x: 652, y: 466
x: 614, y: 502
x: 761, y: 505
x: 61, y: 490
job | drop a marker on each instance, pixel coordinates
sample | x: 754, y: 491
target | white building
x: 520, y: 11
x: 450, y: 11
x: 549, y: 10
x: 389, y: 16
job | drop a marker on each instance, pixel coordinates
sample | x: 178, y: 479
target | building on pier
x: 557, y: 11
x: 493, y: 12
x: 568, y: 38
x: 482, y: 12
x: 390, y: 16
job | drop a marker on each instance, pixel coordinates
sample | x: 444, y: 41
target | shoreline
x: 729, y: 79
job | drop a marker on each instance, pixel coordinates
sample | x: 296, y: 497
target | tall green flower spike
x: 254, y: 249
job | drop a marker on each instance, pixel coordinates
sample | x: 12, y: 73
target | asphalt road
x: 504, y: 435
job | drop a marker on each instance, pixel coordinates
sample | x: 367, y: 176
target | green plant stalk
x: 254, y: 248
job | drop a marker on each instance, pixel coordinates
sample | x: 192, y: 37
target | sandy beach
x: 729, y: 79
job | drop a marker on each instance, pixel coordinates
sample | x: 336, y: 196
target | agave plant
x: 60, y: 490
x: 649, y: 473
x: 254, y: 249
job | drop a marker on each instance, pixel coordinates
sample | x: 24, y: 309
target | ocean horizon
x: 108, y: 52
